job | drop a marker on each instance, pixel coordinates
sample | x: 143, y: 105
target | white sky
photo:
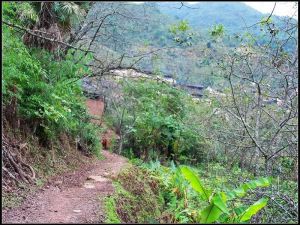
x: 281, y: 9
x: 286, y: 8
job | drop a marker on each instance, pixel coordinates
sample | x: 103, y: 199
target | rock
x: 113, y: 176
x: 58, y: 182
x: 77, y: 210
x: 98, y: 178
x: 106, y: 174
x: 89, y: 185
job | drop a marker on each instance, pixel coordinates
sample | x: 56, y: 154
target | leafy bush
x: 218, y: 209
x: 178, y: 32
x: 21, y: 13
x: 154, y: 122
x: 204, y: 204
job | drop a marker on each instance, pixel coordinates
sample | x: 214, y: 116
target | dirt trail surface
x: 74, y: 197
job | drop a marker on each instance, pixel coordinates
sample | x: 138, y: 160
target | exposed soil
x: 73, y: 197
x: 96, y: 109
x: 70, y: 198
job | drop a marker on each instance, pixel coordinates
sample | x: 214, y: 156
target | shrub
x: 191, y: 199
x: 154, y: 122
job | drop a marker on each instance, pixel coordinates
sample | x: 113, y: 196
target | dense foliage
x: 49, y: 101
x: 236, y: 196
x: 227, y: 157
x: 141, y: 28
x: 156, y: 122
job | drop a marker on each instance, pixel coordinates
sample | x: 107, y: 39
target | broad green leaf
x: 246, y: 187
x: 240, y: 210
x: 263, y: 182
x: 220, y: 203
x: 239, y: 192
x: 210, y: 214
x: 230, y: 195
x: 249, y: 185
x: 223, y: 196
x: 195, y: 182
x: 223, y: 218
x: 253, y: 209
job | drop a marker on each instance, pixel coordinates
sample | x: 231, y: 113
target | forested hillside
x: 233, y: 15
x: 156, y: 112
x: 148, y: 27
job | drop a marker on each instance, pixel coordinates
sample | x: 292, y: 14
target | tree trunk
x: 121, y: 143
x: 47, y: 27
x: 296, y: 169
x: 257, y: 127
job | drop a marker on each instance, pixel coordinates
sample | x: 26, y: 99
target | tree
x: 262, y: 94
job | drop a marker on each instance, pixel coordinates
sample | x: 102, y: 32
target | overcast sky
x: 286, y: 8
x: 281, y: 9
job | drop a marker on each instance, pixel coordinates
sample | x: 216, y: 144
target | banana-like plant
x: 68, y: 13
x: 218, y: 209
x: 64, y: 13
x: 51, y: 20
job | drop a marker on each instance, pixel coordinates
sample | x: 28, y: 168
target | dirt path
x: 72, y: 198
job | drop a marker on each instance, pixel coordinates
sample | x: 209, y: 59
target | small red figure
x: 104, y: 143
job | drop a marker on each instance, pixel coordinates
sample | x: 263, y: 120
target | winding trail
x: 74, y: 197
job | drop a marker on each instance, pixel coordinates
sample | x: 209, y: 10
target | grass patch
x: 137, y: 198
x: 11, y: 200
x: 110, y: 209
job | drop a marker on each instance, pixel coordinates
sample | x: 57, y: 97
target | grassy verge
x: 137, y: 198
x: 152, y: 193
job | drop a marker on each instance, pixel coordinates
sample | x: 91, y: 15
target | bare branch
x: 31, y: 32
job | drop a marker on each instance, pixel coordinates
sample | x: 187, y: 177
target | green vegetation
x: 168, y: 191
x: 49, y: 100
x: 231, y: 196
x: 110, y: 210
x: 43, y: 110
x: 137, y: 197
x: 229, y: 156
x: 156, y: 122
x: 217, y: 209
x: 156, y: 118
